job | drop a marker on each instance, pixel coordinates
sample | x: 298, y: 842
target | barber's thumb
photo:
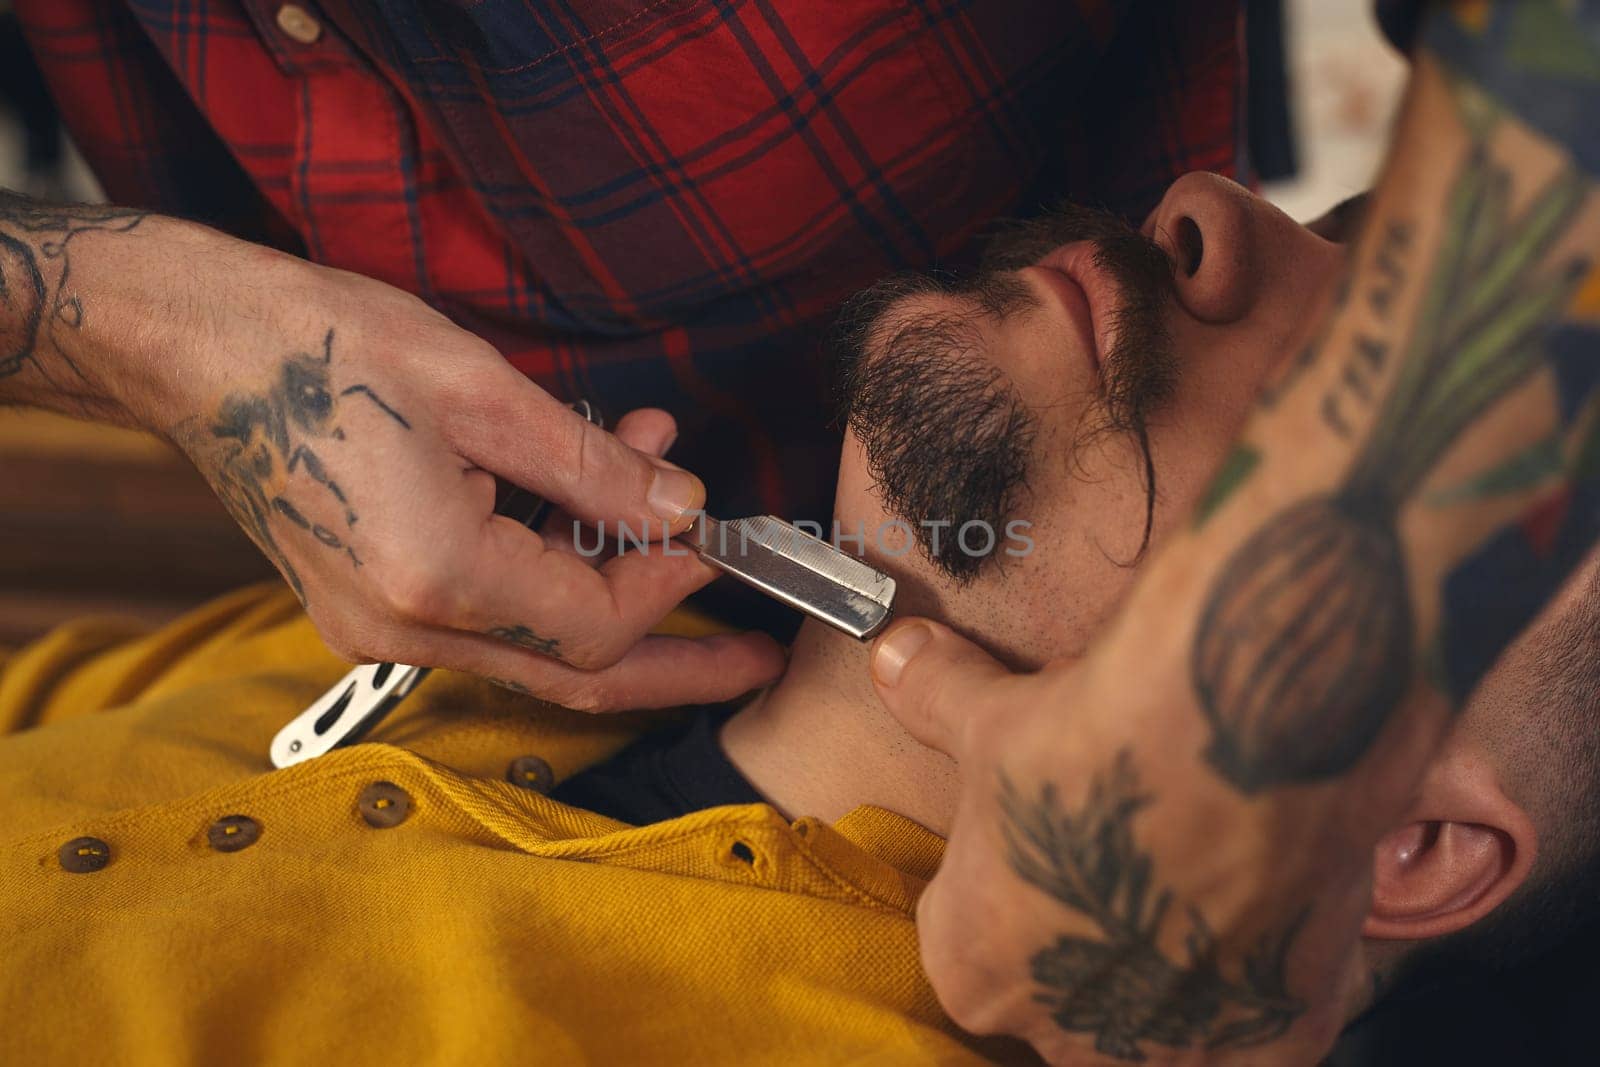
x: 933, y: 681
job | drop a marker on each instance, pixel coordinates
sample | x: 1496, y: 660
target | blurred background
x: 96, y: 520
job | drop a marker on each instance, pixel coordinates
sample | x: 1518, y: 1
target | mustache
x: 1139, y: 373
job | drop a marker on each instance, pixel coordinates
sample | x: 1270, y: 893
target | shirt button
x: 531, y: 772
x: 298, y: 24
x: 233, y: 832
x: 84, y: 855
x: 384, y: 804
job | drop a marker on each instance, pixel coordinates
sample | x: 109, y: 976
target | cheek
x: 1094, y: 501
x: 1085, y: 540
x: 1189, y: 438
x: 855, y: 504
x: 1223, y: 372
x: 863, y: 527
x: 1187, y: 457
x: 1045, y: 607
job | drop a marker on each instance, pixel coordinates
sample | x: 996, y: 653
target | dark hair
x: 1556, y: 731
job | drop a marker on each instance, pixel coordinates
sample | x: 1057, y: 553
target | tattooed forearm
x: 526, y: 638
x: 22, y: 300
x: 1121, y: 986
x: 1365, y: 364
x: 256, y: 440
x: 1305, y: 646
x: 37, y: 294
x: 1357, y: 383
x: 1309, y: 639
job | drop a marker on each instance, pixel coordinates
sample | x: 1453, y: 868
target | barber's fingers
x: 526, y: 436
x: 658, y: 672
x: 651, y: 431
x: 938, y: 684
x: 510, y: 583
x: 586, y: 616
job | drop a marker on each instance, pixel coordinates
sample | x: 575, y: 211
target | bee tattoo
x: 259, y: 439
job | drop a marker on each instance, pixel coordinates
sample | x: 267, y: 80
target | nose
x: 1225, y: 243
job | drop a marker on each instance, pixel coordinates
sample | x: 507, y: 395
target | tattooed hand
x: 1098, y: 897
x: 356, y: 435
x: 1163, y: 852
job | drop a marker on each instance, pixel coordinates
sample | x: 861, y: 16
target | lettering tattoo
x: 1306, y: 358
x: 1121, y: 986
x: 526, y: 638
x: 1389, y: 267
x: 256, y: 440
x: 1364, y: 365
x: 36, y: 291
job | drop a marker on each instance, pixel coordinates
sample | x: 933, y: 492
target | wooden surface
x: 95, y: 520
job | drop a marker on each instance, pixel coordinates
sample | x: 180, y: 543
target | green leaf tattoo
x: 1537, y: 463
x: 1235, y: 469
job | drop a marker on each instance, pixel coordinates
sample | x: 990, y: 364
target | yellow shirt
x: 401, y: 901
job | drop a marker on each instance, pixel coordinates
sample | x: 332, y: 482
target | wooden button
x: 298, y: 24
x: 384, y: 804
x: 233, y: 832
x: 84, y: 855
x: 531, y: 772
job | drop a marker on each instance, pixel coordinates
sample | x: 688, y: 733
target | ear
x: 1463, y: 849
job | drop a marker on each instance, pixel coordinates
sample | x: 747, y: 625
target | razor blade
x: 797, y: 569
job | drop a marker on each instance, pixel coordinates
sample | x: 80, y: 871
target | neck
x: 819, y: 743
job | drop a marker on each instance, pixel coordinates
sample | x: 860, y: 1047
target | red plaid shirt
x: 646, y: 201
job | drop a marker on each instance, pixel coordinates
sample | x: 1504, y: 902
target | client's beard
x: 947, y: 440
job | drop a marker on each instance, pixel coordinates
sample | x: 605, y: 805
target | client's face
x: 1033, y: 404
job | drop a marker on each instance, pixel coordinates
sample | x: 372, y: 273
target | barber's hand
x: 356, y: 434
x: 1101, y: 896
